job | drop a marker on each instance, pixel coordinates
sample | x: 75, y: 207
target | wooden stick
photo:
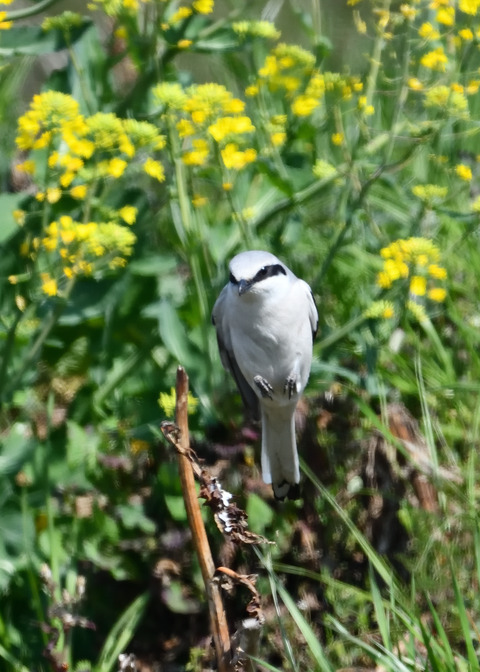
x: 221, y: 636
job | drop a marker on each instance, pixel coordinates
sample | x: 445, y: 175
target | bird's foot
x: 290, y: 386
x: 264, y: 386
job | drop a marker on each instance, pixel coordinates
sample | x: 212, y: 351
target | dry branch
x: 179, y: 437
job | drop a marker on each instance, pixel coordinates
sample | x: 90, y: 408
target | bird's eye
x: 263, y: 271
x: 233, y: 279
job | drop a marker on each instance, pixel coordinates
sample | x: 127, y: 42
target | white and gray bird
x: 266, y: 320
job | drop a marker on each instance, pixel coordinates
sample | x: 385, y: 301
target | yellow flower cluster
x: 167, y: 402
x: 207, y: 117
x: 290, y: 69
x: 429, y: 193
x: 84, y: 148
x: 380, y: 309
x: 452, y: 102
x: 415, y: 260
x: 81, y: 245
x: 435, y: 59
x: 82, y: 154
x: 264, y: 29
x: 4, y: 23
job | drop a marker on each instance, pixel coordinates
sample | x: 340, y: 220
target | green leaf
x: 133, y: 517
x: 311, y: 638
x: 33, y: 40
x: 9, y: 203
x: 153, y: 265
x: 172, y: 332
x: 260, y: 514
x: 176, y: 507
x: 15, y: 449
x: 121, y: 633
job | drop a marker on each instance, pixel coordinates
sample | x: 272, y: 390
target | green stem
x: 338, y: 334
x: 31, y: 11
x: 31, y: 574
x: 401, y: 99
x: 9, y: 342
x: 41, y: 338
x: 296, y: 199
x: 81, y: 79
x: 376, y: 60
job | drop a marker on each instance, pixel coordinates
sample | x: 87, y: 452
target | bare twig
x: 221, y: 636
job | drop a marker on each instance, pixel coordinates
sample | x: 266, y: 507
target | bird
x: 266, y: 320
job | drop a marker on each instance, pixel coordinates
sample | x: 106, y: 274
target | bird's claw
x: 264, y: 386
x: 290, y: 385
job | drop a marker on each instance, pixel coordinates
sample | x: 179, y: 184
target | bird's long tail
x: 279, y: 450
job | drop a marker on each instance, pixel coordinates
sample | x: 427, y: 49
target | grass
x: 157, y: 148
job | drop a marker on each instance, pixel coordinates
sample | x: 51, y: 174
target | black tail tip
x: 285, y: 490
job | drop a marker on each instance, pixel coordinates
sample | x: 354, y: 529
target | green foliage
x: 165, y: 139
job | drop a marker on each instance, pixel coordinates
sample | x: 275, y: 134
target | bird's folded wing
x: 249, y: 398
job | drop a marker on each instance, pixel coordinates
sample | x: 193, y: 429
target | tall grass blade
x: 465, y: 625
x: 121, y: 633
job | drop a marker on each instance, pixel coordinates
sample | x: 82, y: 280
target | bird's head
x: 257, y: 272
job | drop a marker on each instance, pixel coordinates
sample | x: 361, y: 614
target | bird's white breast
x: 271, y: 335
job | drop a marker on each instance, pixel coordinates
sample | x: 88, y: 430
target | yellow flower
x: 408, y: 12
x: 446, y: 15
x: 227, y: 186
x: 338, y: 138
x: 19, y: 216
x: 417, y: 310
x: 199, y: 201
x: 428, y: 32
x: 469, y: 6
x: 230, y: 126
x: 184, y: 44
x: 4, y: 25
x: 66, y: 179
x: 170, y: 94
x: 121, y: 33
x: 138, y: 446
x: 464, y: 172
x: 384, y: 281
x: 466, y: 34
x: 116, y: 167
x: 472, y: 87
x: 323, y: 169
x: 437, y: 272
x: 415, y: 84
x: 264, y: 29
x: 181, y: 14
x: 154, y: 169
x: 418, y: 285
x: 278, y: 138
x: 303, y: 105
x: 251, y: 90
x: 437, y: 294
x: 185, y: 128
x: 53, y: 194
x: 167, y: 401
x: 203, y: 6
x: 380, y: 309
x: 435, y: 60
x: 49, y: 284
x: 235, y: 159
x: 198, y: 155
x: 128, y: 213
x: 79, y: 192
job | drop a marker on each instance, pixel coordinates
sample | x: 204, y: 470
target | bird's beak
x: 243, y: 286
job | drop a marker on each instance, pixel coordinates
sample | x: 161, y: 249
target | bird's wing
x: 312, y: 309
x: 227, y: 356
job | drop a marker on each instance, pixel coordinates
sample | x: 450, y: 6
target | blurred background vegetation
x: 143, y: 144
